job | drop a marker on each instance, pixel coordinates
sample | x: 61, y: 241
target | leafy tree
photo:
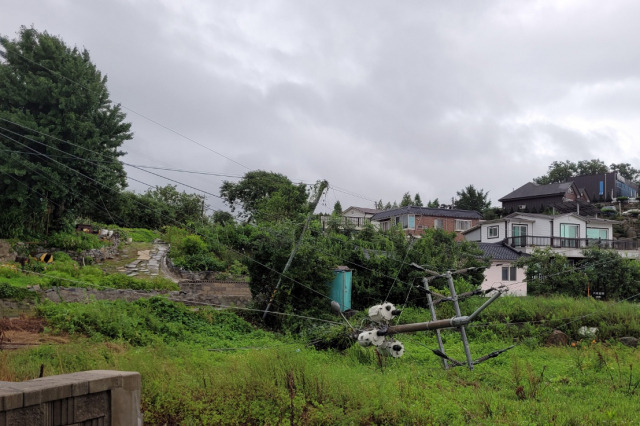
x: 388, y: 206
x: 563, y: 171
x: 379, y: 205
x: 273, y: 193
x: 558, y: 171
x: 551, y: 273
x: 156, y: 208
x: 434, y: 204
x: 591, y: 167
x: 221, y: 217
x: 626, y: 170
x: 337, y: 209
x: 608, y: 272
x: 417, y: 201
x: 406, y: 200
x: 59, y: 135
x: 471, y: 198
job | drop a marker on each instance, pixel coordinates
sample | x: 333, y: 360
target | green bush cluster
x: 7, y: 291
x: 148, y: 320
x: 75, y: 241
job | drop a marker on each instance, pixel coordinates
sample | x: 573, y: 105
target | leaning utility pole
x: 382, y: 335
x: 321, y: 187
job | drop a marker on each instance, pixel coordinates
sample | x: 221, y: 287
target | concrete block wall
x: 96, y: 398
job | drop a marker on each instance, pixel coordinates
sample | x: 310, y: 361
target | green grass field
x: 213, y: 367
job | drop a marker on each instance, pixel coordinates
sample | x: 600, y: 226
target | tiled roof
x: 498, y: 251
x: 364, y: 210
x: 532, y: 190
x: 426, y: 211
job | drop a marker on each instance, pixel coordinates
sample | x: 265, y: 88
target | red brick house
x: 414, y: 220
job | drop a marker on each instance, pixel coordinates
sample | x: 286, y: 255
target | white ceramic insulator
x: 368, y: 338
x: 393, y: 348
x: 382, y: 313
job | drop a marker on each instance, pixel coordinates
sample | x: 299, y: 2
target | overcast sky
x: 377, y: 97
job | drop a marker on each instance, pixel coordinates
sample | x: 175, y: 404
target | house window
x: 384, y: 225
x: 492, y: 231
x: 462, y: 225
x: 519, y: 234
x: 438, y: 224
x: 408, y: 221
x: 597, y: 235
x: 508, y: 273
x: 569, y: 234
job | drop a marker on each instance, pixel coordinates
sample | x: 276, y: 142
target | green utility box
x: 341, y: 287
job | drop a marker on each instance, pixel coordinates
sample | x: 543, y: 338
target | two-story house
x: 567, y: 233
x: 414, y: 220
x: 353, y: 217
x: 606, y: 186
x: 532, y: 197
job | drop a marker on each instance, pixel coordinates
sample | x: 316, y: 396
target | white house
x: 567, y: 233
x: 503, y: 271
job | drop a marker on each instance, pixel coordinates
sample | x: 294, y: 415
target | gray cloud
x: 378, y: 98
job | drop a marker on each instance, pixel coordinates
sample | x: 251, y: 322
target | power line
x: 133, y: 111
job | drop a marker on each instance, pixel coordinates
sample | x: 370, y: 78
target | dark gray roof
x: 426, y: 211
x: 532, y: 190
x: 364, y: 210
x: 499, y: 251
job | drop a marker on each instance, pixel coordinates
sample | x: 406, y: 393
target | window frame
x: 494, y: 228
x: 509, y: 273
x: 459, y: 222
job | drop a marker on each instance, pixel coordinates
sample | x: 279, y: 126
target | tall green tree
x: 563, y: 171
x: 417, y: 201
x: 471, y: 198
x: 406, y: 200
x: 60, y: 135
x: 337, y: 208
x: 558, y: 171
x: 626, y: 170
x: 262, y: 195
x: 591, y: 167
x: 434, y: 204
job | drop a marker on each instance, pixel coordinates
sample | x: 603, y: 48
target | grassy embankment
x: 253, y: 376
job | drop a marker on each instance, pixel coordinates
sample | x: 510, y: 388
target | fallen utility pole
x: 382, y: 336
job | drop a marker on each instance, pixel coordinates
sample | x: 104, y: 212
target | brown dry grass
x: 16, y: 333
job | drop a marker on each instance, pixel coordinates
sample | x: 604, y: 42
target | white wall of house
x: 571, y: 220
x: 493, y: 278
x: 474, y: 235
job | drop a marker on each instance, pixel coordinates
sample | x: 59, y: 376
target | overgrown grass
x: 77, y: 241
x: 536, y: 317
x: 187, y: 384
x: 149, y: 320
x: 254, y: 377
x: 65, y: 272
x: 139, y: 235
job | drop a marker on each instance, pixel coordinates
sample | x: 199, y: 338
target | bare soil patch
x: 21, y: 332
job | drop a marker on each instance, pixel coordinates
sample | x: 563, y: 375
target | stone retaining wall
x: 97, y: 397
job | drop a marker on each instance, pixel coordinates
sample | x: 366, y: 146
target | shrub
x: 77, y: 241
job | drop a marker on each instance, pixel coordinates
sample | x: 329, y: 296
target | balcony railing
x: 348, y: 221
x: 577, y: 243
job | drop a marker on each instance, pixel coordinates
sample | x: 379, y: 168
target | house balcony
x: 572, y: 247
x: 353, y: 222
